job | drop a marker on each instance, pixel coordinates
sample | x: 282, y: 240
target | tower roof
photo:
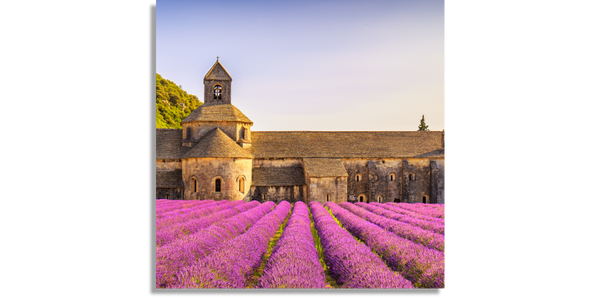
x: 219, y: 112
x: 217, y: 144
x: 217, y: 72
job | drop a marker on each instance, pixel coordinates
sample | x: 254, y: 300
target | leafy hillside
x: 173, y: 104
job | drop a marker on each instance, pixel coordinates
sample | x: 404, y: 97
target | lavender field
x: 238, y: 244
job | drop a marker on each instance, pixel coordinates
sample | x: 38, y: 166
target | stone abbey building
x: 217, y: 156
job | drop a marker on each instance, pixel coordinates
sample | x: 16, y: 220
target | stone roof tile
x: 324, y: 167
x: 277, y: 176
x: 169, y: 179
x: 373, y: 144
x: 168, y: 143
x: 219, y: 112
x: 217, y: 144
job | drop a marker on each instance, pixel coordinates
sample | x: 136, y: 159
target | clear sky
x: 312, y: 65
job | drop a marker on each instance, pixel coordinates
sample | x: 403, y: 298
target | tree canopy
x: 173, y: 104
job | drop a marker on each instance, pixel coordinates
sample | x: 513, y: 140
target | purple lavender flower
x: 410, y: 213
x: 185, y: 251
x: 423, y: 266
x: 419, y: 209
x: 352, y: 263
x: 232, y: 264
x: 295, y: 260
x: 427, y: 225
x: 424, y: 237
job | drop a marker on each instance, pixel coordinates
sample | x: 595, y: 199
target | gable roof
x: 324, y: 167
x: 217, y: 144
x: 219, y: 112
x: 277, y: 176
x: 376, y: 144
x: 168, y: 143
x: 217, y: 72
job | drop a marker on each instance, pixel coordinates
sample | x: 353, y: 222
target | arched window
x: 167, y: 196
x: 328, y: 197
x: 217, y: 91
x: 392, y: 177
x: 218, y: 185
x: 424, y: 199
x: 376, y: 177
x: 188, y: 133
x: 380, y: 199
x: 357, y: 177
x: 411, y: 176
x: 264, y: 197
x: 293, y: 196
x: 242, y: 184
x: 243, y: 133
x: 194, y: 185
x: 361, y: 198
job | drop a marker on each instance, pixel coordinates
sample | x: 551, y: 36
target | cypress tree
x: 423, y: 126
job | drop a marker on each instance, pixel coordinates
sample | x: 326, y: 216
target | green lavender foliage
x: 173, y: 103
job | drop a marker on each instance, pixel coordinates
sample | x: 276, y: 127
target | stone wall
x: 168, y: 165
x: 207, y: 170
x: 443, y: 169
x: 277, y: 193
x: 282, y: 162
x: 381, y: 173
x: 225, y: 92
x: 320, y: 187
x: 413, y: 191
x: 200, y: 128
x: 357, y: 188
x: 169, y: 193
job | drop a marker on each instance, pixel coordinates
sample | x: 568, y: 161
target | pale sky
x: 312, y: 65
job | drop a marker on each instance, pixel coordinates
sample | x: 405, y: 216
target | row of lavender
x: 421, y: 265
x: 220, y: 254
x: 185, y: 251
x: 422, y: 209
x: 192, y: 221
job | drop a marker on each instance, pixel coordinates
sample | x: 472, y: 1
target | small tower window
x: 218, y: 185
x: 242, y: 184
x: 188, y: 133
x: 194, y: 185
x: 392, y: 177
x: 411, y: 177
x: 380, y: 199
x: 264, y: 197
x: 358, y: 177
x: 361, y: 198
x: 328, y: 197
x: 217, y: 92
x: 424, y: 199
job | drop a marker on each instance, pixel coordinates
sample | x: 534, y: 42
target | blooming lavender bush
x: 170, y: 233
x: 185, y: 251
x: 410, y: 213
x: 162, y: 210
x: 427, y: 225
x: 187, y: 214
x: 423, y: 266
x: 419, y: 209
x: 424, y: 237
x: 232, y: 264
x: 352, y: 263
x: 295, y: 260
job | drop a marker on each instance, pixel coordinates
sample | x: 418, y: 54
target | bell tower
x: 217, y: 86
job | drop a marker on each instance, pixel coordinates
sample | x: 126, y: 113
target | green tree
x: 169, y: 100
x: 423, y: 126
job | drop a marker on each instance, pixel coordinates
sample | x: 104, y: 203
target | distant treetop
x: 173, y: 104
x: 423, y: 126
